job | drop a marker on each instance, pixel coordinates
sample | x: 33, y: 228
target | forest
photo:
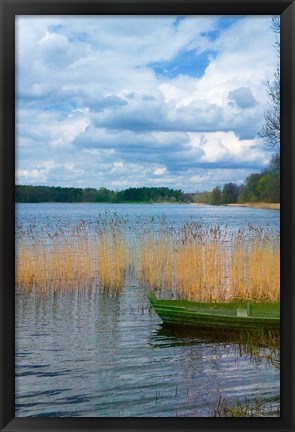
x: 36, y: 194
x: 258, y: 187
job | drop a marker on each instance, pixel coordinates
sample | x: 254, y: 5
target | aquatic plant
x: 192, y: 262
x: 258, y: 407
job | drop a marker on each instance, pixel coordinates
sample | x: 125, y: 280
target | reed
x: 195, y: 263
x: 65, y: 260
x: 112, y: 261
x: 155, y: 262
x: 255, y: 270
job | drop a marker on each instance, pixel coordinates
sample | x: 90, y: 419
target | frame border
x: 8, y: 10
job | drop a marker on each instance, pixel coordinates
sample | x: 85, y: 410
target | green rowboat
x: 217, y: 315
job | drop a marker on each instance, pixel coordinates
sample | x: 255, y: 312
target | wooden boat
x: 217, y: 315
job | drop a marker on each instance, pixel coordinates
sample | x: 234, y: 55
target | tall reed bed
x: 69, y: 259
x: 210, y: 264
x: 255, y: 269
x: 192, y: 262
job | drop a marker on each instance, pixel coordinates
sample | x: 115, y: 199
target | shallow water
x: 93, y: 354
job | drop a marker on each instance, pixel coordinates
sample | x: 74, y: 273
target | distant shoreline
x: 100, y: 202
x: 259, y: 205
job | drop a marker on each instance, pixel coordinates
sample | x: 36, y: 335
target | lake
x: 89, y: 353
x: 176, y: 214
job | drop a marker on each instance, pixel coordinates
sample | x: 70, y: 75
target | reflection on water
x: 88, y: 353
x: 94, y: 354
x: 187, y: 335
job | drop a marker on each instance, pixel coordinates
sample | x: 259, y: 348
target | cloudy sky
x: 132, y: 101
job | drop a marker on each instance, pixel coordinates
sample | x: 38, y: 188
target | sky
x: 122, y: 102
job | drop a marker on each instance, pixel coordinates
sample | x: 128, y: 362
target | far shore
x: 259, y: 205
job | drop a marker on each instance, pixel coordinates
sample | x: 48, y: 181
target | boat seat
x: 242, y: 313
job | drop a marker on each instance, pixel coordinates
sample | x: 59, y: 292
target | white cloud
x: 225, y: 146
x: 160, y: 171
x: 118, y: 164
x: 90, y: 101
x: 64, y: 132
x: 30, y: 175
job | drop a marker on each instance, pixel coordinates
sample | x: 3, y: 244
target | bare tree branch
x: 270, y: 131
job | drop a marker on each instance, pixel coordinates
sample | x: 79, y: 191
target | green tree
x: 250, y: 192
x: 269, y: 184
x: 215, y: 198
x: 201, y: 197
x: 103, y: 195
x: 230, y: 193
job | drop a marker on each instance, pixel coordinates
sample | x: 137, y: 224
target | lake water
x: 176, y: 214
x: 92, y: 354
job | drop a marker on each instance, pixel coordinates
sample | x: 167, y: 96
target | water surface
x: 88, y: 353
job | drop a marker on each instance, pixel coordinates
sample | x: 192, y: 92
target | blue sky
x: 130, y: 101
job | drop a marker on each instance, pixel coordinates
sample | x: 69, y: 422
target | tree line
x: 263, y: 186
x: 35, y: 194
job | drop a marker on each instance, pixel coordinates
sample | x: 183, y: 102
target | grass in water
x: 213, y: 265
x: 193, y: 262
x: 258, y: 345
x: 64, y: 260
x: 245, y: 408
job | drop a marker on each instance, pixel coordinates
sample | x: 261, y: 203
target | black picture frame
x: 11, y: 8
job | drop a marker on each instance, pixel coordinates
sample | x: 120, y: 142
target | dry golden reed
x: 64, y: 261
x: 195, y: 263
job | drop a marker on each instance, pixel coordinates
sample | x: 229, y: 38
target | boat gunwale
x: 178, y: 311
x: 226, y: 317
